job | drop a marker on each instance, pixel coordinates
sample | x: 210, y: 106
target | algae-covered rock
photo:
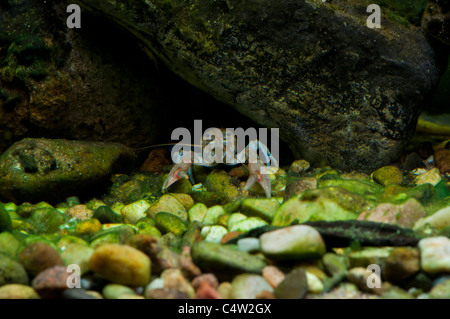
x: 360, y: 112
x: 219, y: 181
x: 106, y: 215
x: 5, y: 220
x: 168, y: 204
x: 9, y: 244
x: 225, y: 260
x: 263, y: 208
x: 294, y: 285
x: 47, y: 220
x: 167, y: 222
x: 328, y: 204
x: 405, y: 215
x: 11, y: 272
x: 44, y: 169
x: 388, y: 175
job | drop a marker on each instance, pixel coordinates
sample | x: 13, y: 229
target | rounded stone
x: 388, y: 175
x: 77, y: 254
x: 17, y: 291
x: 115, y: 291
x: 11, y: 272
x: 51, y: 283
x: 121, y: 264
x: 294, y: 285
x: 79, y: 212
x: 293, y: 242
x: 403, y: 262
x: 38, y: 256
x: 248, y: 286
x: 442, y: 160
x: 435, y: 254
x: 135, y: 211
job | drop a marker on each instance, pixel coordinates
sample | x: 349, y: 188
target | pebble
x: 293, y: 242
x: 248, y: 224
x: 121, y: 264
x: 197, y: 212
x: 248, y: 286
x: 213, y: 214
x: 77, y: 254
x: 185, y: 199
x: 442, y: 160
x: 210, y: 278
x: 170, y: 223
x: 213, y: 234
x: 156, y: 160
x: 11, y: 272
x: 273, y: 275
x: 299, y: 166
x: 249, y: 244
x: 264, y: 208
x: 315, y: 285
x: 439, y: 220
x: 174, y: 279
x: 165, y: 293
x: 206, y: 291
x: 405, y: 215
x: 79, y: 293
x: 388, y: 175
x: 335, y: 265
x: 294, y: 285
x: 435, y: 254
x: 80, y: 212
x: 433, y: 177
x: 115, y: 291
x: 169, y: 204
x: 224, y: 290
x: 88, y: 227
x: 9, y: 245
x: 235, y: 218
x: 369, y: 256
x: 403, y: 262
x: 366, y: 280
x: 106, y: 215
x: 51, y: 283
x: 5, y: 220
x: 441, y: 290
x: 413, y: 161
x: 17, y: 291
x: 210, y: 257
x: 229, y: 236
x: 47, y: 220
x: 187, y: 264
x: 38, y: 256
x: 298, y: 187
x: 135, y: 211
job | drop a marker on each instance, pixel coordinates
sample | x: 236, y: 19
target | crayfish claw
x: 177, y: 172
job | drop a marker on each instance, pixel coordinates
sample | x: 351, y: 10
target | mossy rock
x: 167, y: 222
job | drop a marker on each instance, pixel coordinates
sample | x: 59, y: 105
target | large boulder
x: 339, y: 91
x: 42, y: 169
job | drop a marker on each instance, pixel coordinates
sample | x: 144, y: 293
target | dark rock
x: 343, y: 233
x: 294, y: 285
x: 413, y: 161
x: 5, y: 220
x: 105, y: 215
x: 436, y: 20
x: 76, y: 293
x: 425, y: 150
x: 297, y: 65
x: 38, y: 256
x: 42, y: 169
